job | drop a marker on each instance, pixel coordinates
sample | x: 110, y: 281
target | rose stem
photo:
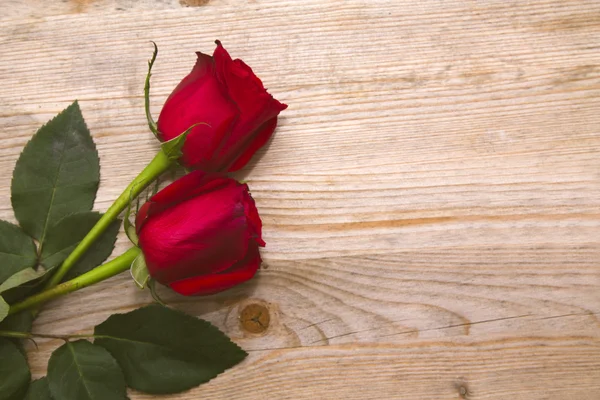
x: 157, y: 166
x: 98, y: 274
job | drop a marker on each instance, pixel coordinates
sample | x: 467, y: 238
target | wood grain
x: 430, y: 199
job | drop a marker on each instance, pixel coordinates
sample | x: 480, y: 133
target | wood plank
x: 520, y: 369
x: 430, y: 200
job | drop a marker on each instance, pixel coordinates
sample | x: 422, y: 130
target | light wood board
x: 430, y: 199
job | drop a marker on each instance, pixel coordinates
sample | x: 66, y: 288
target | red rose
x: 226, y: 95
x: 200, y: 235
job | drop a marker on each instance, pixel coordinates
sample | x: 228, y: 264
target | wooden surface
x: 430, y: 200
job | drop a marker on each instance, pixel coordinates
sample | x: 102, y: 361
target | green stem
x: 28, y: 335
x: 151, y: 123
x: 98, y: 274
x: 15, y: 335
x: 157, y: 166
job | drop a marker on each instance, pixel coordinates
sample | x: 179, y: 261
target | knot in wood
x: 255, y: 318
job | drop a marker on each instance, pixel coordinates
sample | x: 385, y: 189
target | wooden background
x: 430, y: 200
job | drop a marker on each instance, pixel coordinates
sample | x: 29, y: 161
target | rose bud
x: 236, y: 113
x: 200, y: 235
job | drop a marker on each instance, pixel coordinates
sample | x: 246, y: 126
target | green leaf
x: 57, y: 174
x: 130, y: 232
x: 4, y: 308
x: 162, y: 350
x: 14, y: 371
x: 139, y: 271
x: 38, y: 390
x: 22, y: 284
x: 172, y: 148
x: 128, y: 227
x: 61, y: 240
x: 63, y: 237
x: 98, y: 253
x: 152, y: 287
x: 20, y: 322
x: 20, y: 278
x: 17, y: 250
x: 83, y: 371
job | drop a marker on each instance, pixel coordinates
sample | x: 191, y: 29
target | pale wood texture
x: 430, y: 200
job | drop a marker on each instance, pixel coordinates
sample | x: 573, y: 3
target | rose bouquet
x: 199, y: 235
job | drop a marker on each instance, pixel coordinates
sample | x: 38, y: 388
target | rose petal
x: 175, y: 246
x: 213, y: 283
x: 205, y: 66
x: 141, y: 216
x: 191, y: 185
x: 199, y: 98
x: 261, y: 137
x: 255, y: 104
x: 186, y: 230
x: 253, y: 219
